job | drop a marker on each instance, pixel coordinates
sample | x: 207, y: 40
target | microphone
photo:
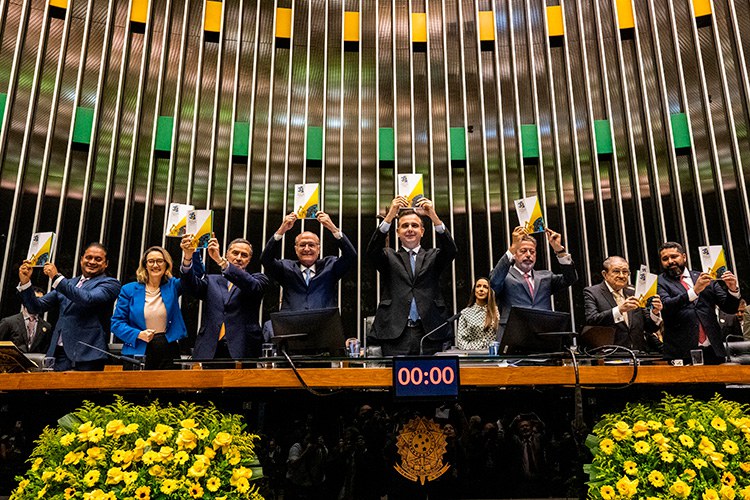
x: 115, y: 356
x: 441, y: 325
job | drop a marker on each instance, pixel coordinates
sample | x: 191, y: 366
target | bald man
x: 309, y: 282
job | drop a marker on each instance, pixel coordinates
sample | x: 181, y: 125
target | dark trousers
x: 160, y: 353
x: 63, y: 363
x: 408, y: 343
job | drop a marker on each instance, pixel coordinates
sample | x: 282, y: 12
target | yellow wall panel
x: 486, y: 26
x: 283, y: 22
x: 60, y: 4
x: 139, y: 11
x: 625, y: 14
x: 702, y: 8
x: 351, y: 26
x: 555, y: 26
x: 419, y: 27
x: 213, y: 17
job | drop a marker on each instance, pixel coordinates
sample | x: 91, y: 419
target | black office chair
x: 738, y: 350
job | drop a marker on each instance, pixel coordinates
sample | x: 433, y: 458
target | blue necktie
x: 307, y: 276
x: 413, y: 313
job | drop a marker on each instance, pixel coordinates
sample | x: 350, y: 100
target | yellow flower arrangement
x: 129, y: 452
x: 677, y: 448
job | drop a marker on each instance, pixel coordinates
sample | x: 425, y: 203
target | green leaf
x: 69, y: 422
x: 592, y: 442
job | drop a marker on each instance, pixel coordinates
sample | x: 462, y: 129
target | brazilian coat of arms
x: 421, y: 445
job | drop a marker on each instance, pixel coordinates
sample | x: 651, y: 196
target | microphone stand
x: 141, y: 364
x: 441, y: 325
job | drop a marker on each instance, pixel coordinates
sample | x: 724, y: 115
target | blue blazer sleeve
x: 255, y: 283
x: 38, y: 305
x: 347, y: 258
x: 103, y: 294
x: 122, y: 325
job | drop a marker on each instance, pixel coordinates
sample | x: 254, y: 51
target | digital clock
x: 433, y: 377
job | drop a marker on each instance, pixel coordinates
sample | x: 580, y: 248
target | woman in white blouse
x: 477, y: 326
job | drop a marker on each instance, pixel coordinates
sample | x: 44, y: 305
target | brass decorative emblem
x: 421, y: 445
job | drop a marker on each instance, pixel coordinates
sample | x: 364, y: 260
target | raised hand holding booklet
x: 306, y: 200
x: 177, y: 219
x: 200, y: 223
x: 41, y: 248
x: 412, y: 187
x: 713, y: 260
x: 529, y: 213
x: 645, y: 286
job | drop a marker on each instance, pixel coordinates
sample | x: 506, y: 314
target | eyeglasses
x: 623, y: 272
x: 155, y: 262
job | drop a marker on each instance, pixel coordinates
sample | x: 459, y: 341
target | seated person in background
x: 477, y: 325
x: 85, y: 305
x: 231, y: 300
x: 29, y: 332
x: 309, y: 282
x: 515, y: 281
x: 734, y: 324
x: 411, y: 303
x: 611, y: 303
x: 147, y: 316
x: 690, y: 299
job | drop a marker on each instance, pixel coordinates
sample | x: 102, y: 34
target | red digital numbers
x: 436, y: 376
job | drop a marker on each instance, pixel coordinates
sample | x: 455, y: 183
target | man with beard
x: 690, y: 299
x: 515, y: 281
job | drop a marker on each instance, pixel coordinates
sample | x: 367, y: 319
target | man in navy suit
x: 690, y: 299
x: 309, y: 282
x: 612, y: 303
x: 231, y: 300
x: 515, y: 281
x: 411, y: 303
x: 29, y: 332
x: 85, y: 304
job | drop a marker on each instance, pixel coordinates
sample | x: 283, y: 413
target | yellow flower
x: 606, y: 445
x: 745, y: 466
x: 727, y: 493
x: 717, y: 459
x: 166, y: 453
x: 67, y: 439
x: 680, y: 489
x: 202, y: 433
x: 181, y: 457
x: 690, y: 474
x: 72, y: 458
x: 222, y: 440
x: 151, y: 457
x: 730, y: 447
x: 654, y: 425
x: 619, y: 432
x: 710, y: 494
x: 160, y: 434
x: 706, y: 446
x: 243, y: 485
x: 728, y: 479
x: 641, y: 447
x: 143, y: 493
x: 233, y: 456
x: 670, y: 425
x: 47, y: 475
x: 213, y: 484
x: 22, y: 485
x: 695, y: 425
x: 91, y: 478
x: 60, y: 475
x: 699, y: 463
x: 209, y: 453
x: 719, y: 424
x: 95, y: 453
x: 186, y: 439
x: 686, y: 441
x: 169, y: 486
x: 131, y: 428
x: 129, y: 477
x: 70, y: 492
x: 37, y: 463
x: 640, y: 429
x: 656, y: 479
x: 626, y: 487
x: 631, y: 468
x: 240, y: 473
x: 96, y: 435
x: 661, y: 440
x: 156, y: 470
x: 745, y: 492
x: 188, y: 423
x: 667, y: 457
x: 118, y: 456
x: 114, y: 475
x: 43, y: 492
x: 198, y: 469
x: 114, y: 428
x: 195, y: 491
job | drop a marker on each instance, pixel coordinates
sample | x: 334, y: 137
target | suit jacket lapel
x: 608, y: 295
x: 404, y: 256
x: 519, y: 277
x: 139, y: 297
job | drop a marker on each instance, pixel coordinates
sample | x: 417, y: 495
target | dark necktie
x: 701, y: 332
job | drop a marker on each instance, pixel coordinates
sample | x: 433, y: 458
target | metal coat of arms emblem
x: 421, y: 445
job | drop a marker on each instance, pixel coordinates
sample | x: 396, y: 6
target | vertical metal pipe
x: 377, y: 131
x: 12, y: 86
x: 411, y: 92
x: 269, y: 117
x: 501, y: 136
x: 215, y: 115
x: 235, y: 91
x: 462, y: 64
x: 196, y: 116
x: 359, y: 176
x: 251, y: 132
x: 288, y: 120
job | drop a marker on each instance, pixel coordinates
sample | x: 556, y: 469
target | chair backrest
x: 738, y: 351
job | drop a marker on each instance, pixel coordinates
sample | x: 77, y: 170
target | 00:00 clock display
x: 436, y: 376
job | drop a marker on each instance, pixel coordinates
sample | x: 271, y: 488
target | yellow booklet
x: 529, y: 213
x: 200, y: 223
x: 713, y: 260
x: 646, y: 285
x: 306, y: 200
x: 412, y: 187
x: 41, y: 248
x: 177, y: 219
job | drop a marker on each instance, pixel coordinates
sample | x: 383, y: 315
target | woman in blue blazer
x: 148, y: 318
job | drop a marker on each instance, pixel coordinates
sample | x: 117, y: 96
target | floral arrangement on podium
x: 124, y: 451
x: 677, y: 448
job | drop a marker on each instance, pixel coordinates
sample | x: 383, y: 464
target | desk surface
x: 365, y: 378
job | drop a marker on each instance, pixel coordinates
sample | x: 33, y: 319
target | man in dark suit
x: 29, y: 332
x: 309, y: 282
x: 411, y: 304
x: 612, y: 303
x: 85, y: 304
x: 231, y: 300
x: 690, y: 299
x: 515, y: 281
